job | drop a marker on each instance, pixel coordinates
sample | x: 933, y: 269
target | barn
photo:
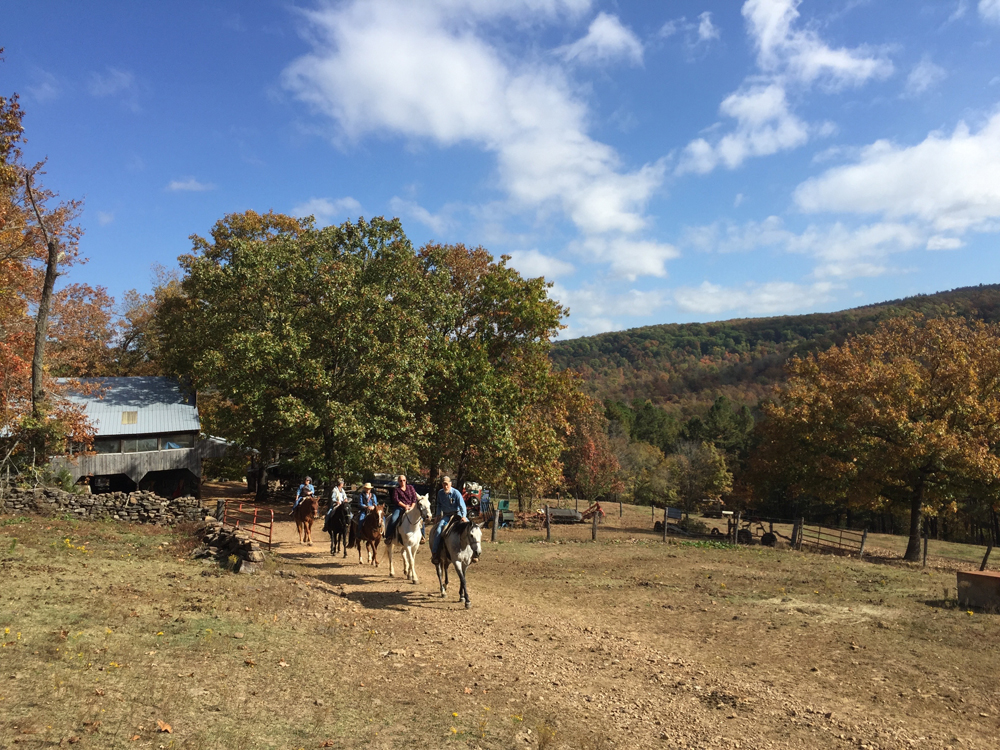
x: 148, y: 437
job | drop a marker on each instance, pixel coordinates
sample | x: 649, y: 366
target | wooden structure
x: 148, y: 437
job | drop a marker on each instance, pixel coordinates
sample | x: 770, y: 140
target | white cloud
x: 940, y: 242
x: 765, y: 126
x: 607, y: 39
x: 532, y: 264
x: 190, y: 185
x: 435, y: 222
x: 925, y: 74
x: 114, y: 81
x: 946, y: 181
x: 990, y: 10
x: 105, y: 217
x: 840, y: 251
x: 697, y: 34
x: 630, y: 258
x: 787, y: 56
x: 800, y: 54
x: 594, y: 309
x: 733, y: 238
x: 44, y: 86
x: 422, y: 71
x: 759, y: 299
x: 326, y: 210
x: 707, y: 31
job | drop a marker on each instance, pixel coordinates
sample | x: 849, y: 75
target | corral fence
x: 257, y: 522
x: 829, y: 539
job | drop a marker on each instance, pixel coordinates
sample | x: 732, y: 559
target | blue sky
x: 658, y: 161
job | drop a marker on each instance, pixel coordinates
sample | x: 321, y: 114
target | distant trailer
x: 565, y: 515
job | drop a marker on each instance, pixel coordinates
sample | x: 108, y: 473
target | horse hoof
x: 468, y: 605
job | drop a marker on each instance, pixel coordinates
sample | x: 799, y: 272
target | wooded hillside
x: 684, y: 367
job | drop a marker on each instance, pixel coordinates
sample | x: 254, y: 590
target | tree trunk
x: 42, y: 320
x: 913, y: 545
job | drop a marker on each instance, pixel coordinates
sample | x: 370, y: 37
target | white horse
x: 462, y: 546
x: 408, y: 534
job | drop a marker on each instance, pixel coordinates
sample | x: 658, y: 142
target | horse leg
x: 375, y: 553
x: 464, y: 590
x: 388, y: 553
x: 309, y: 533
x: 442, y: 579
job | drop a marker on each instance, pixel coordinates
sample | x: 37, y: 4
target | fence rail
x: 257, y: 522
x: 837, y: 540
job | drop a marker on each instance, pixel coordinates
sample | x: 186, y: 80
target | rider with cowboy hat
x: 366, y: 501
x: 449, y: 505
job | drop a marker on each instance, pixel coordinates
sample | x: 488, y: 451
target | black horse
x: 338, y: 525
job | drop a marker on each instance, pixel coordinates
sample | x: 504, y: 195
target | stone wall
x: 135, y: 507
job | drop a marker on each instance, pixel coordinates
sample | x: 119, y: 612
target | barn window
x: 107, y: 445
x: 138, y: 445
x: 173, y: 442
x: 130, y: 417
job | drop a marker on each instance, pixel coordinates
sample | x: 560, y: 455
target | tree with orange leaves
x: 908, y: 415
x: 36, y: 235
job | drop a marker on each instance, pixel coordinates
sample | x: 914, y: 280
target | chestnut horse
x: 369, y: 532
x: 304, y: 514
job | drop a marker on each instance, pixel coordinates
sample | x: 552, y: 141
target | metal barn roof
x: 137, y: 406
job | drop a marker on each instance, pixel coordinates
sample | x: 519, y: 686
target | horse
x: 369, y: 532
x: 461, y: 546
x: 304, y: 513
x: 408, y: 535
x: 338, y: 525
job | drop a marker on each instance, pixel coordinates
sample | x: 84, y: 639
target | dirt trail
x: 644, y: 661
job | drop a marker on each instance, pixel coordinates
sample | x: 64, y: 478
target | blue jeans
x: 391, y: 522
x: 439, y: 537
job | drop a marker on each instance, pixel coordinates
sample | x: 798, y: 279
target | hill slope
x: 685, y: 366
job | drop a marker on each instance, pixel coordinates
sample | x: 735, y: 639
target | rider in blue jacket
x: 367, y: 501
x: 305, y: 490
x: 449, y: 504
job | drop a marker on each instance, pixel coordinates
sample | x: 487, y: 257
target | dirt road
x: 640, y: 644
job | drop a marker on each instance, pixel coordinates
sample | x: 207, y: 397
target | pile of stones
x: 134, y: 507
x: 232, y: 548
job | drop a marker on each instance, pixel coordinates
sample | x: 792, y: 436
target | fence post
x: 496, y: 522
x: 619, y: 506
x: 864, y: 540
x: 986, y: 557
x: 795, y: 533
x: 802, y: 531
x: 548, y: 525
x: 925, y: 544
x: 593, y: 528
x: 664, y: 522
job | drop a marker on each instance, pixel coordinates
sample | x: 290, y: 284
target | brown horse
x: 304, y: 513
x: 370, y: 532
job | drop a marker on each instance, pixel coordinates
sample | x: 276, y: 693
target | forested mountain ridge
x: 685, y: 366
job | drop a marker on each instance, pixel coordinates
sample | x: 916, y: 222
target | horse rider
x: 366, y: 502
x: 338, y: 495
x: 306, y: 489
x: 337, y: 498
x: 401, y: 499
x: 449, y: 505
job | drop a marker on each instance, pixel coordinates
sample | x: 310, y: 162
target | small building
x: 148, y: 437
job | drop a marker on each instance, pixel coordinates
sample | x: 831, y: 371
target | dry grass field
x: 114, y: 638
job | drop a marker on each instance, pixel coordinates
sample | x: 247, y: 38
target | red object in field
x: 258, y: 522
x: 595, y: 508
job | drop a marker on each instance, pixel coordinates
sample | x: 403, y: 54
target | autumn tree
x: 908, y: 415
x: 591, y: 468
x: 303, y: 339
x: 492, y: 400
x: 36, y: 234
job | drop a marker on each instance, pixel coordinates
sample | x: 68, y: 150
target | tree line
x: 344, y: 350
